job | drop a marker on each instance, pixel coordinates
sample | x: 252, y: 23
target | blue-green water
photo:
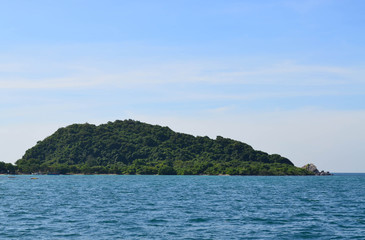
x: 182, y: 207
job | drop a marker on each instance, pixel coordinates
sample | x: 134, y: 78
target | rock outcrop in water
x: 312, y: 168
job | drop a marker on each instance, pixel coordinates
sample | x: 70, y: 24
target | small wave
x: 156, y: 220
x: 198, y: 220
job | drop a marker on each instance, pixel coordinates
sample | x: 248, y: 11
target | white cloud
x: 48, y: 73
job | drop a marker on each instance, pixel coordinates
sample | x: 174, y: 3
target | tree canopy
x: 133, y: 147
x: 7, y: 168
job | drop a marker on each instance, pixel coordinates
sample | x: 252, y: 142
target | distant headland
x: 133, y: 147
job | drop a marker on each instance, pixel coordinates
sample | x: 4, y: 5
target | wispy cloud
x: 241, y: 69
x: 94, y: 76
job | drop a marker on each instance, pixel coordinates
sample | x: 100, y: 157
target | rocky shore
x: 312, y: 168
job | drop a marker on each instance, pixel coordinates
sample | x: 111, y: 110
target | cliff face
x: 132, y: 147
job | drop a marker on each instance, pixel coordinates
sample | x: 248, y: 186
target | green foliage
x: 7, y: 168
x: 166, y: 170
x: 132, y: 147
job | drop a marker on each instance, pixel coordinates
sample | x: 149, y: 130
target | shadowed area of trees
x: 133, y: 147
x: 7, y: 168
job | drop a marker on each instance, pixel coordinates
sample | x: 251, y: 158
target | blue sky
x: 286, y: 77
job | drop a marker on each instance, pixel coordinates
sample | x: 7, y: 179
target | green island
x: 133, y: 147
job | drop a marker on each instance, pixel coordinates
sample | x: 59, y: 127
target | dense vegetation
x: 7, y: 168
x: 132, y: 147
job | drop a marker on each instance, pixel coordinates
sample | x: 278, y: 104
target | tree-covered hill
x: 132, y: 147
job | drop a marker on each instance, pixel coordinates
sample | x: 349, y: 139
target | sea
x: 182, y: 207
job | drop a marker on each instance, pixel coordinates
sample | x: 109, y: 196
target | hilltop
x: 133, y: 147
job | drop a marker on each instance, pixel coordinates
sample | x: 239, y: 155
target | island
x: 133, y: 147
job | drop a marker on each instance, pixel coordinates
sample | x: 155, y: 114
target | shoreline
x: 112, y: 174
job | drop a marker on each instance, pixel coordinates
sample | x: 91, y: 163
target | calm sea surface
x: 182, y: 207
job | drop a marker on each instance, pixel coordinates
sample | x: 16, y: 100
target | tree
x: 166, y: 170
x: 132, y: 147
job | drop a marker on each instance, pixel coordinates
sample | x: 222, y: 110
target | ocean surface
x: 182, y: 207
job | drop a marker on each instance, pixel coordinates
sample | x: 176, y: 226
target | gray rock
x: 312, y: 168
x: 323, y: 173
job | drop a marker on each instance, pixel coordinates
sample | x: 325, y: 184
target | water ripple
x: 182, y: 207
